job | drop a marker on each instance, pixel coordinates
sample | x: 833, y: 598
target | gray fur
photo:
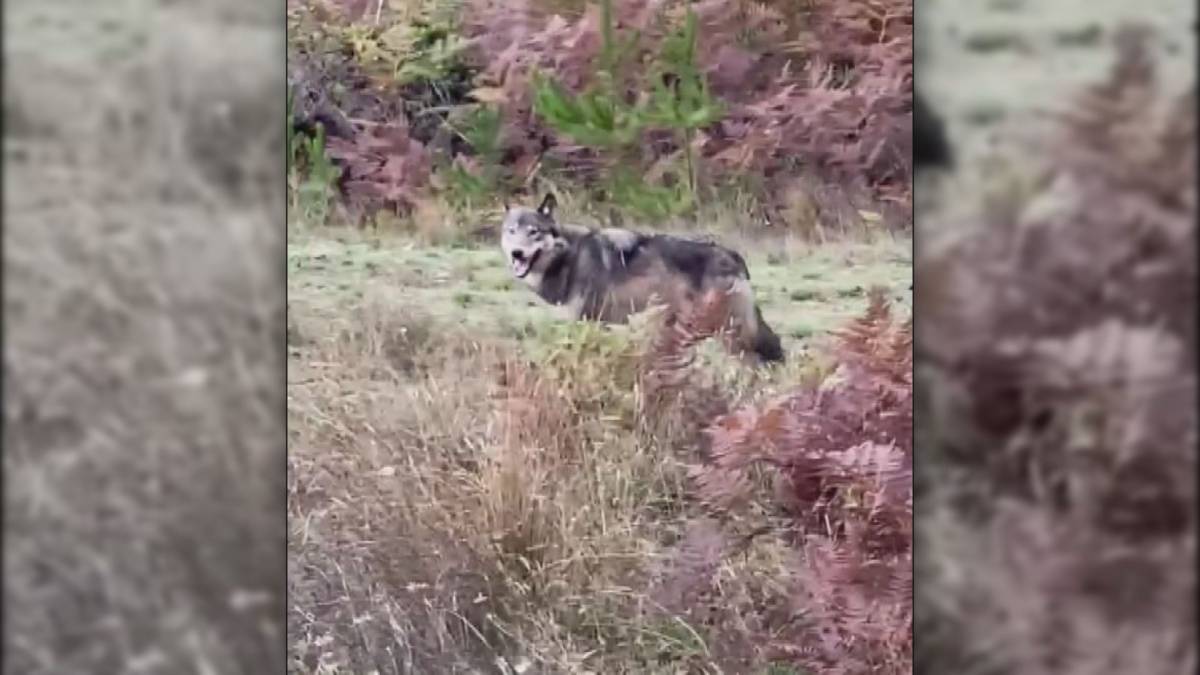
x: 607, y: 275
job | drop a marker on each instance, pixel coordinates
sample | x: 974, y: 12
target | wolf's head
x: 531, y: 239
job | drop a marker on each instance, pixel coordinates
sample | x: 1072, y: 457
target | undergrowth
x: 312, y: 177
x: 621, y: 500
x: 648, y: 107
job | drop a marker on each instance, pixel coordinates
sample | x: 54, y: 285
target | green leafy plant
x: 472, y: 183
x: 601, y: 117
x: 312, y: 176
x: 596, y: 117
x: 630, y: 189
x: 481, y: 128
x: 429, y: 52
x: 423, y: 50
x: 681, y: 100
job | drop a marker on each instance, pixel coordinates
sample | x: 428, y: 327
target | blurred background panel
x: 993, y: 65
x: 1056, y: 340
x: 144, y: 435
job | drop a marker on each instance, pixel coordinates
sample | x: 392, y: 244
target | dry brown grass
x: 471, y: 520
x: 465, y: 504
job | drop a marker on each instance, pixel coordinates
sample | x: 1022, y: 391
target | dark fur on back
x: 589, y: 253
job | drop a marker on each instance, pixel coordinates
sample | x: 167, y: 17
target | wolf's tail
x: 766, y: 343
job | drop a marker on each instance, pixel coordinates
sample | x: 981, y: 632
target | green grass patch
x: 803, y: 294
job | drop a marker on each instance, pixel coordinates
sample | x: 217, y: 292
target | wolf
x: 609, y: 274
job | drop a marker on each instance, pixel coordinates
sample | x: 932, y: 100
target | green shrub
x: 312, y: 176
x: 602, y: 118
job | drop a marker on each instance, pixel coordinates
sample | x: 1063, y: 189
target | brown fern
x: 842, y: 452
x: 670, y: 357
x: 811, y: 89
x: 792, y: 91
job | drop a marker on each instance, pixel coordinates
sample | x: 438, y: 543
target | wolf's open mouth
x: 522, y: 263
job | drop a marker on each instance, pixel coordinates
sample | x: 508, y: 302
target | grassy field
x: 474, y: 486
x: 804, y: 289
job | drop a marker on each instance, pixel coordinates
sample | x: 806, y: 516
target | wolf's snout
x: 521, y: 263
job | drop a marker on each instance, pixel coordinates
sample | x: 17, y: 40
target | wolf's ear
x: 548, y: 205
